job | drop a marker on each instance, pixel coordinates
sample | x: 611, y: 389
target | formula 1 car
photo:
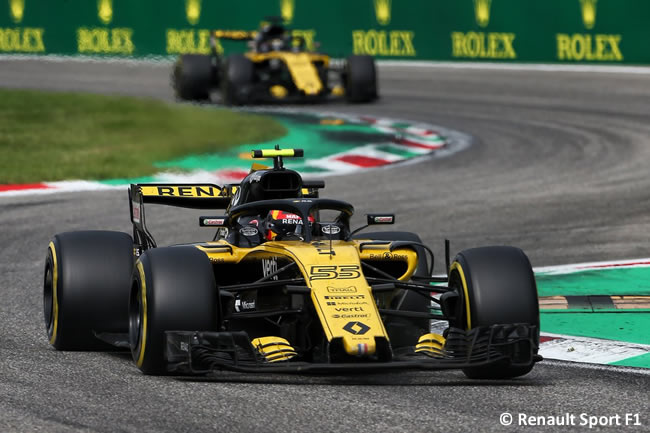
x: 278, y: 67
x: 285, y: 285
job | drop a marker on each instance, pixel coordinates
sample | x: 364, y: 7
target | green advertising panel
x: 549, y: 31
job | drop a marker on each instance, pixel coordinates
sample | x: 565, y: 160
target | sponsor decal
x: 350, y: 289
x: 590, y: 47
x: 105, y: 11
x: 388, y: 256
x: 181, y: 191
x: 193, y: 11
x: 270, y: 266
x: 345, y: 297
x: 576, y: 47
x: 20, y: 39
x: 190, y: 41
x: 348, y: 309
x: 287, y: 8
x: 331, y: 230
x: 17, y: 9
x: 243, y: 305
x: 307, y: 35
x: 483, y: 45
x: 356, y: 328
x: 213, y: 221
x: 482, y: 12
x: 104, y: 40
x: 384, y: 43
x: 384, y: 219
x: 480, y: 45
x: 382, y: 11
x: 136, y: 212
x: 249, y: 231
x: 588, y: 8
x: 350, y: 316
x: 333, y: 272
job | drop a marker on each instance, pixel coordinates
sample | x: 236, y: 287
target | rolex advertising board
x: 550, y: 31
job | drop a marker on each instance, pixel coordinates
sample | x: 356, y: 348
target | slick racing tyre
x: 192, y: 77
x: 404, y: 332
x: 497, y: 286
x: 86, y: 288
x: 360, y: 79
x: 237, y: 79
x: 173, y: 290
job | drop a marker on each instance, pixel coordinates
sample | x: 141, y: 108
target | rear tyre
x: 360, y: 79
x: 86, y: 288
x: 173, y: 290
x: 237, y: 79
x: 193, y: 77
x: 404, y: 332
x: 497, y: 286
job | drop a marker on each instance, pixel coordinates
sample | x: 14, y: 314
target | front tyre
x: 193, y: 77
x: 360, y: 79
x: 497, y: 286
x: 173, y: 289
x: 86, y: 288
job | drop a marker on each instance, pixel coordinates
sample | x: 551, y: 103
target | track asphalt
x: 558, y: 167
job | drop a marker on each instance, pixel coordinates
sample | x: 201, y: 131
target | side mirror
x: 377, y: 219
x: 213, y: 221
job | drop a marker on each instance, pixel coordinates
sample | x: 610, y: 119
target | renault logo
x: 482, y: 12
x: 17, y: 8
x: 105, y: 11
x: 588, y: 13
x: 193, y: 11
x: 286, y: 9
x: 382, y: 11
x: 356, y: 328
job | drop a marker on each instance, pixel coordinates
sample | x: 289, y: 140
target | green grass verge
x: 49, y: 136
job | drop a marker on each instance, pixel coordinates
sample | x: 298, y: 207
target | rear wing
x: 195, y: 196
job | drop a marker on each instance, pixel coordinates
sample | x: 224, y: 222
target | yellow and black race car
x: 277, y: 67
x: 283, y: 284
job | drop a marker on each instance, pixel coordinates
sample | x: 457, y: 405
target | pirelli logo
x: 181, y: 191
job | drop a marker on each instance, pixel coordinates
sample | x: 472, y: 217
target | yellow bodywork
x: 339, y: 291
x: 301, y: 66
x: 274, y: 349
x: 431, y: 345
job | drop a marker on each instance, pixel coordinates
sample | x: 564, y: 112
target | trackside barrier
x: 540, y: 31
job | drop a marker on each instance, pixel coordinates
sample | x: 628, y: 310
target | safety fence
x: 541, y: 31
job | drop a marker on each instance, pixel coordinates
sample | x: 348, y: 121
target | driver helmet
x: 284, y: 223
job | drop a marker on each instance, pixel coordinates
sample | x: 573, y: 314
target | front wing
x: 199, y: 353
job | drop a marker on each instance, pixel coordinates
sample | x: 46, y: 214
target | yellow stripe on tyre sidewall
x: 143, y: 334
x: 55, y: 299
x: 457, y: 267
